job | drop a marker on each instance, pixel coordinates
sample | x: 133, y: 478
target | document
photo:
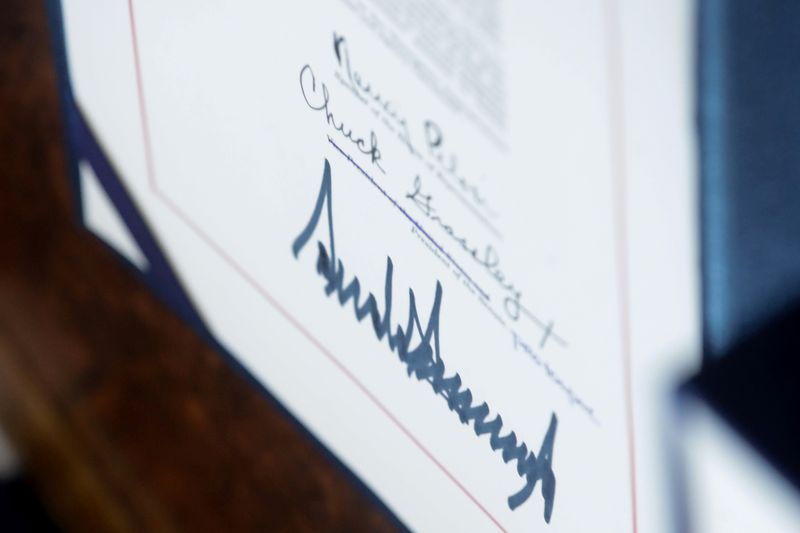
x: 453, y: 238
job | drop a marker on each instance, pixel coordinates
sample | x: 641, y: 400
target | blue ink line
x: 411, y: 219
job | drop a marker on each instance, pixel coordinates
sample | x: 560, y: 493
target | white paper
x: 529, y: 162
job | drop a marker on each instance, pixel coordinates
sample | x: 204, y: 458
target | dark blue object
x: 749, y: 117
x: 756, y: 388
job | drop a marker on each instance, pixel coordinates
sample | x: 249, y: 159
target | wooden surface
x: 126, y: 420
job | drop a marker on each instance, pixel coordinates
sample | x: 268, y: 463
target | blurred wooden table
x: 125, y: 419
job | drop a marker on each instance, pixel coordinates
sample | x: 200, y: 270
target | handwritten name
x: 434, y: 138
x: 365, y: 90
x: 320, y: 100
x: 423, y: 361
x: 488, y: 258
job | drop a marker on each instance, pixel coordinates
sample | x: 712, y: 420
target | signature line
x: 411, y: 219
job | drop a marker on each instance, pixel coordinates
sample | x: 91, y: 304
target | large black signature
x: 424, y: 361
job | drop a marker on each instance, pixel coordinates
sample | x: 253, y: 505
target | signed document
x: 453, y: 238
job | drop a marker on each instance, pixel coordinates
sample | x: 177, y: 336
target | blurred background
x: 115, y: 416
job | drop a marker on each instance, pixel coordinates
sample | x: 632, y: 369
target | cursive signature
x: 487, y: 258
x: 321, y: 102
x: 434, y: 138
x: 423, y: 360
x: 367, y: 91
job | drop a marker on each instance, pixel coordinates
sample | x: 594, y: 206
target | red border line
x: 148, y: 151
x: 620, y: 214
x: 262, y: 291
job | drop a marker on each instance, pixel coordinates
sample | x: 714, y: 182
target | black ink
x: 424, y: 361
x: 435, y: 140
x: 369, y: 148
x: 488, y: 258
x: 364, y: 89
